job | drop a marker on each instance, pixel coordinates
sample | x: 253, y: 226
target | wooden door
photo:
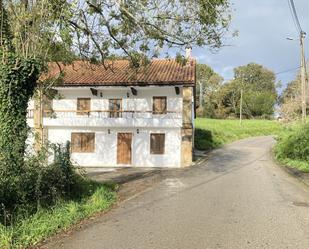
x: 124, y: 148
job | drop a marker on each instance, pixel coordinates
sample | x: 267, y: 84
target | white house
x: 115, y: 115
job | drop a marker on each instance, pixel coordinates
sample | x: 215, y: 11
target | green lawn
x: 213, y: 133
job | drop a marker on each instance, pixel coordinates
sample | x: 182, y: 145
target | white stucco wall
x: 106, y: 147
x: 60, y: 128
x: 142, y: 103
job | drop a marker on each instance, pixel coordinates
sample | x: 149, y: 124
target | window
x: 83, y: 106
x: 157, y: 143
x: 115, y: 108
x: 159, y: 105
x: 83, y: 142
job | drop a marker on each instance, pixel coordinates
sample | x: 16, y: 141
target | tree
x: 18, y: 76
x: 290, y: 100
x: 259, y: 91
x: 209, y: 83
x: 141, y: 29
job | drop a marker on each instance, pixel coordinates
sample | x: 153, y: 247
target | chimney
x: 188, y: 52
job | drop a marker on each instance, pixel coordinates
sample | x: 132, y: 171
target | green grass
x: 29, y: 231
x: 292, y: 149
x: 213, y: 133
x: 303, y: 166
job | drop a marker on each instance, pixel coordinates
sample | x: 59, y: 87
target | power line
x: 294, y: 15
x: 288, y: 70
x: 280, y: 72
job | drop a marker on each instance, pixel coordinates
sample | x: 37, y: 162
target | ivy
x: 18, y: 77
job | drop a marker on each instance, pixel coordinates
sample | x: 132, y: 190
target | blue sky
x: 263, y: 26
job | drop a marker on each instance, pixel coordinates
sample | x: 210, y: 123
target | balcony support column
x: 187, y: 128
x: 40, y: 133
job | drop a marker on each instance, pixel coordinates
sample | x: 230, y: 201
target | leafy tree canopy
x: 144, y: 27
x: 256, y: 76
x: 259, y: 91
x: 209, y: 82
x: 98, y: 29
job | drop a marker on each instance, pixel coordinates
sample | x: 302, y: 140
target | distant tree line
x: 219, y: 99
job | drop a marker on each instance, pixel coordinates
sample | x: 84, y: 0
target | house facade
x: 114, y: 115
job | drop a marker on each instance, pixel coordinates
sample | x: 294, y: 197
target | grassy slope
x: 29, y: 231
x: 213, y: 133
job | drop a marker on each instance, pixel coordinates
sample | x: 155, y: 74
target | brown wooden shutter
x: 76, y: 142
x: 83, y: 142
x: 90, y: 142
x: 115, y: 108
x: 157, y: 143
x: 83, y: 106
x: 159, y: 105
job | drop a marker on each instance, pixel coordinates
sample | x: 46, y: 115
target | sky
x: 263, y: 26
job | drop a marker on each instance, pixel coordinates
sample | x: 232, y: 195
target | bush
x: 40, y: 184
x: 203, y: 140
x: 294, y: 144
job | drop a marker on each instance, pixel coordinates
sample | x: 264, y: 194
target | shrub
x: 203, y: 139
x: 41, y: 184
x: 294, y: 144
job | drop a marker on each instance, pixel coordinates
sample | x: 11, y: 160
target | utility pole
x: 240, y: 111
x: 201, y: 95
x: 303, y: 78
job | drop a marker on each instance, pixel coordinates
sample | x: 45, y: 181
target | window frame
x: 115, y: 113
x: 83, y: 112
x: 153, y: 149
x: 162, y: 112
x: 83, y: 145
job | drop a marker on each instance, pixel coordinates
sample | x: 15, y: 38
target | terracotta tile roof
x: 119, y: 73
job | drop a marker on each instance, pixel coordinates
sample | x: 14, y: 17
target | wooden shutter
x: 83, y: 142
x: 89, y: 142
x: 115, y: 108
x: 83, y: 106
x: 159, y: 105
x: 76, y: 144
x: 157, y: 143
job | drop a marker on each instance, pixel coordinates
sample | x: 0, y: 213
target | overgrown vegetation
x: 30, y: 230
x: 292, y: 148
x: 52, y: 197
x: 222, y: 100
x: 213, y: 133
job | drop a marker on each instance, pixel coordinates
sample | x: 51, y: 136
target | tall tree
x: 18, y: 76
x: 259, y: 91
x: 209, y: 83
x: 142, y: 28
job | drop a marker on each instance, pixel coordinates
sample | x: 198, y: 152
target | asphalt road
x: 238, y: 199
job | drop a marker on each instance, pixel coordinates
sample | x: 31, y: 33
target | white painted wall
x: 60, y: 128
x: 142, y: 102
x: 106, y: 147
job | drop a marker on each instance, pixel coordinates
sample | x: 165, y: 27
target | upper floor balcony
x: 108, y: 118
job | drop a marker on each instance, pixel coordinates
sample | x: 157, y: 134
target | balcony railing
x: 30, y: 114
x: 106, y: 114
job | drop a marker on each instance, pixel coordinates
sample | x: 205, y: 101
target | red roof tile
x: 119, y: 73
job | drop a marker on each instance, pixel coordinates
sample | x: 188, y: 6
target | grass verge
x: 292, y: 149
x: 29, y: 231
x: 213, y: 133
x: 302, y: 166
